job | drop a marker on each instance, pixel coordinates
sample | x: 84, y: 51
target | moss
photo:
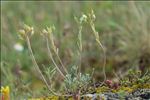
x: 146, y: 86
x: 126, y: 89
x: 47, y: 98
x: 53, y: 98
x: 70, y: 98
x: 132, y: 88
x: 102, y: 89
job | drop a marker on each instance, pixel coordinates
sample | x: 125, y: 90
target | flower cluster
x: 26, y: 31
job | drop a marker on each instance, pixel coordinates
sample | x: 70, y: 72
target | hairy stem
x: 80, y: 49
x: 36, y: 65
x: 104, y: 64
x: 62, y: 63
x: 51, y: 57
x: 100, y: 45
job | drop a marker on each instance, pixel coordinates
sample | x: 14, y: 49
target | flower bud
x: 31, y: 30
x: 49, y: 30
x: 22, y: 32
x: 27, y: 28
x: 44, y: 31
x: 83, y: 18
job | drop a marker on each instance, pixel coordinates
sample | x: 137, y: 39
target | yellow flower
x: 5, y: 93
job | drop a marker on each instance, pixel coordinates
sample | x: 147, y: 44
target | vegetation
x: 105, y: 50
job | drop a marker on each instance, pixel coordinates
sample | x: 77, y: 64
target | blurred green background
x: 124, y: 29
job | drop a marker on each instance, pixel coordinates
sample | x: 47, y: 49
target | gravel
x: 139, y: 94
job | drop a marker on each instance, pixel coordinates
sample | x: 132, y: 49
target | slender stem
x: 36, y: 65
x: 80, y: 49
x: 80, y: 64
x: 118, y: 77
x: 100, y: 45
x: 61, y: 63
x: 104, y: 64
x: 51, y: 57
